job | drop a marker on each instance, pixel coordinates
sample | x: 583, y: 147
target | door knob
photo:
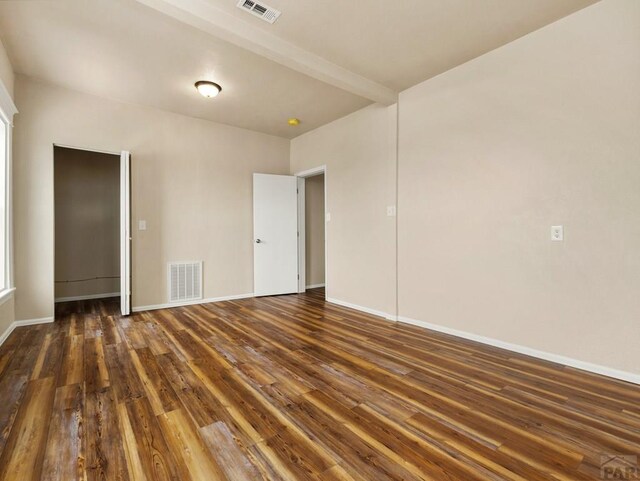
x: 258, y: 241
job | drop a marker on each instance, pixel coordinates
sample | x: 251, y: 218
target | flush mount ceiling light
x: 208, y: 89
x: 293, y: 122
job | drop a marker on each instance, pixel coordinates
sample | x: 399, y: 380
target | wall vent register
x: 184, y: 281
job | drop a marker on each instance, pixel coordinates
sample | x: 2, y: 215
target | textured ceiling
x: 123, y: 50
x: 400, y: 43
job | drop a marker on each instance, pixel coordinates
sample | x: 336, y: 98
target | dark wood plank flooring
x: 292, y: 388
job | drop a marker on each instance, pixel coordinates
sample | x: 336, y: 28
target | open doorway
x: 312, y: 245
x: 314, y: 232
x: 87, y: 203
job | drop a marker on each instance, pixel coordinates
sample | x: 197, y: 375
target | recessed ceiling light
x: 293, y: 122
x: 208, y: 89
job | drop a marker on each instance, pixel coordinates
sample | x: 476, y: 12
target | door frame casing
x: 125, y: 233
x: 302, y: 274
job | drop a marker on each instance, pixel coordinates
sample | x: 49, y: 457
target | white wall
x: 359, y: 152
x: 543, y: 131
x: 191, y: 182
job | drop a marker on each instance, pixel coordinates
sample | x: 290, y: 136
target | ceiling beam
x: 205, y: 16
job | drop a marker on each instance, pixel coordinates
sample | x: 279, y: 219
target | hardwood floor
x: 292, y: 388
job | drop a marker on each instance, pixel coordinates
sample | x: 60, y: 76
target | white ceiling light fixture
x: 208, y: 89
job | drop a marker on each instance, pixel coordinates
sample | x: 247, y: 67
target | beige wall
x: 541, y: 132
x: 87, y: 222
x: 359, y: 152
x: 314, y: 230
x: 6, y: 315
x: 6, y: 71
x: 7, y: 79
x: 191, y: 182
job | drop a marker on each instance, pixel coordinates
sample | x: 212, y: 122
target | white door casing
x: 125, y: 233
x: 302, y: 176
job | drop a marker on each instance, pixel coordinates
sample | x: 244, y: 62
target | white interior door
x: 275, y: 231
x: 125, y: 233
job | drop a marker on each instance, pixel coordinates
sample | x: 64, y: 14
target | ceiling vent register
x: 260, y: 10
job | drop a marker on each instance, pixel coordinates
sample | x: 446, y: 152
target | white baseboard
x: 26, y: 322
x: 87, y: 297
x: 315, y: 286
x: 190, y: 303
x: 361, y: 308
x: 567, y: 361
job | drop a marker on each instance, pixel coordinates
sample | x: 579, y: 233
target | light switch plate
x: 142, y: 225
x: 327, y: 216
x: 557, y: 233
x: 391, y: 210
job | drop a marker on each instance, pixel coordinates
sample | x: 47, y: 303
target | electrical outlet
x: 391, y: 210
x: 142, y: 225
x: 557, y: 233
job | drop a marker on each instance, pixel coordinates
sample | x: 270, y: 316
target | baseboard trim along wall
x: 88, y: 297
x: 27, y: 322
x: 547, y: 356
x: 190, y: 303
x: 361, y: 308
x: 315, y: 286
x: 558, y: 359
